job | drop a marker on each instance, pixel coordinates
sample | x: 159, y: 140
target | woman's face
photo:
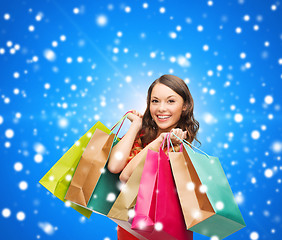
x: 166, y: 107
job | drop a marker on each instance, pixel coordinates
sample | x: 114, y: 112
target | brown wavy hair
x: 187, y: 121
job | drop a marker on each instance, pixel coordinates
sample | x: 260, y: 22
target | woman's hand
x: 179, y: 133
x: 135, y: 117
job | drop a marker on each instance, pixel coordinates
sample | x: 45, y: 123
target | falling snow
x: 66, y: 66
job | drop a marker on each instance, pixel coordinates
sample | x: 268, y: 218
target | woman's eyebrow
x: 167, y: 97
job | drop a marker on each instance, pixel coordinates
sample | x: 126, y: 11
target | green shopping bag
x: 57, y: 179
x: 227, y: 218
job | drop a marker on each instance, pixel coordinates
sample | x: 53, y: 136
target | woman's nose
x: 162, y: 107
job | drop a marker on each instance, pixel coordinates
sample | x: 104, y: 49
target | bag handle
x: 121, y: 121
x: 168, y: 142
x: 184, y: 141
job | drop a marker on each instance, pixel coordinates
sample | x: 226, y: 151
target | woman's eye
x: 171, y: 101
x: 154, y: 101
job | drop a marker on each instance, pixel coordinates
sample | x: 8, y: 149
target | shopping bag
x: 105, y: 191
x: 158, y: 213
x: 195, y: 204
x: 93, y: 186
x: 57, y: 179
x: 123, y: 207
x: 227, y: 217
x: 126, y: 200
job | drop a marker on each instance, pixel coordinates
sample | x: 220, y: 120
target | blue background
x: 47, y: 103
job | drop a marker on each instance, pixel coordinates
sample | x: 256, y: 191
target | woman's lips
x: 163, y: 118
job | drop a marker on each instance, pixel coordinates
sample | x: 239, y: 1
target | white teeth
x: 163, y: 117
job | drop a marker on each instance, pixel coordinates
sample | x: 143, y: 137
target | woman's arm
x: 121, y: 151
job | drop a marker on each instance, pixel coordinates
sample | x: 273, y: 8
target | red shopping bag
x: 158, y: 213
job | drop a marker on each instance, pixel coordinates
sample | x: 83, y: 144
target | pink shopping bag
x: 158, y: 213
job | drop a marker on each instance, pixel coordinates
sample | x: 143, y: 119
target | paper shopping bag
x: 167, y: 221
x: 57, y: 179
x: 227, y: 217
x: 126, y: 200
x: 106, y: 190
x: 89, y: 169
x: 195, y: 204
x: 145, y: 208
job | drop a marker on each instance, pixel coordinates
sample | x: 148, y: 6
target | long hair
x: 187, y: 122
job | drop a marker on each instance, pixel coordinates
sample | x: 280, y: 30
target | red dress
x: 121, y: 233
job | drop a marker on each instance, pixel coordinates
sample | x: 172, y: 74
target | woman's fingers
x: 134, y: 115
x: 179, y: 135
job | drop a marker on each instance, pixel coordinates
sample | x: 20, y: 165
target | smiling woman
x: 169, y: 109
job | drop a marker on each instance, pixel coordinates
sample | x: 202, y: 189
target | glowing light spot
x: 158, y: 226
x: 277, y: 147
x: 23, y: 185
x: 127, y: 9
x: 246, y: 18
x: 111, y: 197
x: 210, y: 3
x: 47, y: 228
x: 203, y: 188
x: 69, y: 60
x: 73, y: 87
x: 239, y: 198
x: 68, y: 177
x: 268, y: 99
x: 173, y: 35
x: 119, y: 155
x: 238, y: 117
x: 9, y: 133
x: 162, y: 10
x: 214, y: 238
x: 190, y: 186
x: 238, y: 30
x: 7, y: 16
x: 219, y: 205
x: 200, y: 28
x: 16, y: 75
x: 6, y: 212
x: 268, y: 173
x: 101, y: 20
x: 31, y: 28
x: 38, y: 158
x: 183, y: 62
x: 254, y: 236
x: 145, y: 5
x: 131, y: 213
x: 255, y: 134
x: 273, y: 7
x: 63, y: 38
x: 243, y: 55
x: 18, y: 166
x: 80, y: 59
x: 256, y: 27
x: 63, y: 122
x: 205, y: 47
x: 49, y: 55
x: 75, y: 10
x: 21, y: 216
